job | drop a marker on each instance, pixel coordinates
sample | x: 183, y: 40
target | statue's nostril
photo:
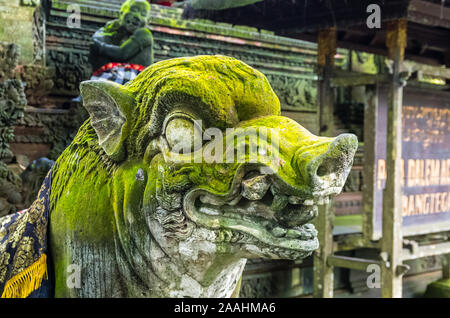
x: 322, y: 170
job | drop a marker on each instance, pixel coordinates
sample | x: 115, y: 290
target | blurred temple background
x: 43, y: 60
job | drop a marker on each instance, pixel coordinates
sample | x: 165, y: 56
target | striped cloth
x: 24, y: 266
x: 119, y: 73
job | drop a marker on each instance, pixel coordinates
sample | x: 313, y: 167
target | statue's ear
x: 107, y: 104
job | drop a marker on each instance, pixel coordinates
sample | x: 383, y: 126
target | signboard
x: 425, y: 161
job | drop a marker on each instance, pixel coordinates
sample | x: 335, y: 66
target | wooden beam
x: 354, y: 241
x: 392, y: 241
x: 427, y: 250
x: 428, y: 13
x: 358, y: 79
x: 351, y: 262
x: 434, y: 71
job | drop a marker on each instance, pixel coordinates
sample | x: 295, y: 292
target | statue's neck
x: 159, y: 276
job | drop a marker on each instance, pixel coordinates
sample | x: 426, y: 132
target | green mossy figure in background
x: 134, y: 217
x: 125, y: 40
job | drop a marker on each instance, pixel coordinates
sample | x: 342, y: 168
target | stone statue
x: 142, y: 207
x: 125, y: 40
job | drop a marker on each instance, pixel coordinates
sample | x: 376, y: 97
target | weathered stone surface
x: 38, y: 82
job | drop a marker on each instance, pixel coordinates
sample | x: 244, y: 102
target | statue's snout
x: 325, y: 165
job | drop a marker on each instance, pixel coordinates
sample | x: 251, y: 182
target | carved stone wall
x: 46, y: 131
x: 12, y: 104
x: 289, y: 64
x: 39, y: 83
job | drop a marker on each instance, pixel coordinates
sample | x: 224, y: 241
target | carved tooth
x: 235, y: 200
x: 294, y: 200
x: 291, y: 233
x: 310, y: 229
x: 278, y: 231
x: 326, y: 200
x: 279, y: 202
x: 255, y: 188
x: 234, y: 237
x: 308, y: 202
x: 209, y: 211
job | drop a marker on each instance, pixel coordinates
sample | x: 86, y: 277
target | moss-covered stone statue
x: 133, y: 216
x: 126, y: 42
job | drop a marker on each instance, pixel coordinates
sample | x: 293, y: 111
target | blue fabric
x: 23, y: 240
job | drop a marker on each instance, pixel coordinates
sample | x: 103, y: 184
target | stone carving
x: 38, y: 83
x: 12, y: 104
x: 56, y: 129
x: 126, y: 40
x: 139, y: 219
x: 295, y: 93
x: 9, y: 57
x: 12, y: 98
x: 10, y: 188
x: 69, y: 69
x: 259, y: 287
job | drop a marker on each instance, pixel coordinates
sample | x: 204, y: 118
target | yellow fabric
x: 27, y: 281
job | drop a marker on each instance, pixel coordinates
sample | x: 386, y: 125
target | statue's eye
x: 183, y: 135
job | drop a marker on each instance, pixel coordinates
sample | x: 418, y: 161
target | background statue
x: 123, y: 47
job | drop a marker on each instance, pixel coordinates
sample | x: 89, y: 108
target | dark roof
x: 300, y: 14
x: 220, y: 4
x: 428, y: 22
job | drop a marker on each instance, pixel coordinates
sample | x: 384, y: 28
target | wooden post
x: 323, y: 273
x: 326, y: 43
x: 369, y: 175
x: 391, y: 243
x: 446, y: 266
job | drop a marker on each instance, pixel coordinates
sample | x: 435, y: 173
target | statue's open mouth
x: 257, y: 207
